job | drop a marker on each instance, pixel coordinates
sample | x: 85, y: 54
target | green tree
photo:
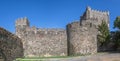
x: 117, y: 22
x: 104, y: 35
x: 116, y: 37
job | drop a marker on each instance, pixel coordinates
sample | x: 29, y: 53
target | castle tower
x: 73, y: 40
x: 95, y: 16
x: 82, y: 36
x: 21, y: 24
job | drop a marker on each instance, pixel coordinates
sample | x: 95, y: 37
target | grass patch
x: 44, y: 58
x: 41, y: 58
x: 55, y: 57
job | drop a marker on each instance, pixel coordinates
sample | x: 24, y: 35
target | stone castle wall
x: 42, y: 42
x: 79, y: 37
x: 11, y: 46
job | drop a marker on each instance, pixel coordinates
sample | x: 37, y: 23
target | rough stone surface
x: 79, y: 37
x: 41, y: 42
x: 82, y: 36
x: 10, y: 46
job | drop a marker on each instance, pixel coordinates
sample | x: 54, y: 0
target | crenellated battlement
x: 95, y: 14
x: 102, y: 12
x: 51, y: 29
x: 46, y: 30
x: 97, y: 11
x: 22, y: 21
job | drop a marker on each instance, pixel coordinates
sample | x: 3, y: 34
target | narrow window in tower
x: 90, y: 24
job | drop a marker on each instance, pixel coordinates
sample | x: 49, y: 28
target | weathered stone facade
x: 82, y: 35
x: 11, y: 46
x: 79, y: 37
x: 41, y: 42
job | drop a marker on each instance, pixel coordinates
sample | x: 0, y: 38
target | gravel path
x: 97, y: 57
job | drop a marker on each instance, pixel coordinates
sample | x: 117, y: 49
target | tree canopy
x: 104, y: 34
x: 116, y: 37
x: 117, y: 22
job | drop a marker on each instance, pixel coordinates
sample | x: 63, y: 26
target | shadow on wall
x: 71, y: 50
x: 2, y: 55
x: 11, y: 47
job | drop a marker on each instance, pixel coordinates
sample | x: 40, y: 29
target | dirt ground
x: 96, y: 57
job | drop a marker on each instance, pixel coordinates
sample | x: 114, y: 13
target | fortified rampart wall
x: 11, y: 46
x: 46, y: 42
x: 79, y: 37
x: 40, y: 41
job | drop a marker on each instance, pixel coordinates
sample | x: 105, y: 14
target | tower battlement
x: 22, y: 21
x: 97, y: 11
x: 95, y: 14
